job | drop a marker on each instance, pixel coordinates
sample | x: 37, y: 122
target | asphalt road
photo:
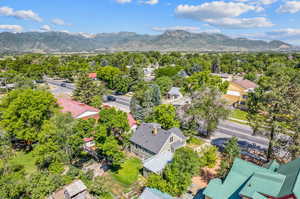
x: 242, y: 132
x: 225, y: 129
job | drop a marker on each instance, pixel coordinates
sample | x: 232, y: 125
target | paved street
x: 225, y: 129
x: 121, y: 103
x: 243, y: 132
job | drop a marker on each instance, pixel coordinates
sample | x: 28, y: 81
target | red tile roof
x: 74, y: 107
x: 88, y: 139
x: 93, y: 75
x: 131, y: 120
x: 245, y: 83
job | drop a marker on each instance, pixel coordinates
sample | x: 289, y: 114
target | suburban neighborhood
x: 159, y: 131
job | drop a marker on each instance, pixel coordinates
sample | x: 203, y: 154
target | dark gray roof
x: 145, y: 138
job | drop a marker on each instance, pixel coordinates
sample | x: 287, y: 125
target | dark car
x: 119, y: 93
x: 111, y: 98
x: 221, y: 143
x: 63, y: 85
x: 244, y: 146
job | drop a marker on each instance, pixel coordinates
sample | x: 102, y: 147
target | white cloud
x: 215, y: 9
x: 289, y: 7
x: 123, y: 1
x: 285, y: 33
x: 266, y: 2
x: 151, y: 2
x: 14, y: 28
x: 289, y: 35
x: 224, y: 14
x: 60, y: 22
x: 20, y: 14
x: 239, y: 23
x: 46, y: 28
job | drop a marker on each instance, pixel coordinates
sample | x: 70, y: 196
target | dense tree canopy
x: 88, y: 91
x: 165, y: 115
x: 24, y: 111
x: 201, y: 80
x: 205, y: 111
x: 177, y: 175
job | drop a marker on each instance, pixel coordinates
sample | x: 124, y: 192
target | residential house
x: 249, y: 181
x: 77, y: 109
x: 150, y: 193
x: 174, y: 93
x: 132, y: 122
x: 89, y: 143
x: 93, y: 76
x: 150, y: 139
x: 75, y: 190
x: 238, y: 90
x: 157, y: 163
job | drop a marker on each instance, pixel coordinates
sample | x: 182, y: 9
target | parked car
x: 119, y: 93
x: 245, y: 148
x: 221, y: 143
x: 63, y: 85
x: 111, y: 98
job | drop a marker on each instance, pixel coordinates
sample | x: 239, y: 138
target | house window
x: 171, y: 139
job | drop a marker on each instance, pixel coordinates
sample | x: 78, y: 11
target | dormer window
x: 171, y: 139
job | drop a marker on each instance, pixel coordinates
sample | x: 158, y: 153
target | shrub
x: 209, y: 157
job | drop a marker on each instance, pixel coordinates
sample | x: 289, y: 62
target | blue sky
x: 257, y: 19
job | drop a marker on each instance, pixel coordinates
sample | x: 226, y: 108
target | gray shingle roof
x: 158, y: 162
x: 75, y: 188
x: 145, y: 138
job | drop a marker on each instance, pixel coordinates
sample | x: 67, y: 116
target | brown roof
x: 245, y: 83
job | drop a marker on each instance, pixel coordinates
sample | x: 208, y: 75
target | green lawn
x: 195, y: 141
x: 25, y: 159
x: 129, y: 172
x: 239, y: 114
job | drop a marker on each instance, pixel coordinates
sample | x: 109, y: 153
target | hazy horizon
x: 254, y: 19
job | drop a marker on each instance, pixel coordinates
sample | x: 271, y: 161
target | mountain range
x: 178, y: 40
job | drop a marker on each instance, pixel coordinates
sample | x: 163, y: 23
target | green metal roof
x: 258, y: 196
x: 267, y: 183
x: 249, y: 180
x: 292, y: 184
x: 272, y: 165
x: 239, y: 174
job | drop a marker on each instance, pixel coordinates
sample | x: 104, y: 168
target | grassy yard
x: 129, y: 172
x: 195, y: 141
x: 239, y: 114
x: 26, y: 160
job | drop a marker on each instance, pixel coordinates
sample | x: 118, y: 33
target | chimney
x: 154, y: 131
